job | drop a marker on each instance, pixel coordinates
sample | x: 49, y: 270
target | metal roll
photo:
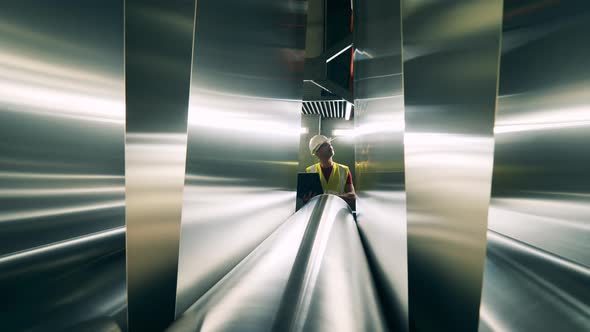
x: 311, y: 274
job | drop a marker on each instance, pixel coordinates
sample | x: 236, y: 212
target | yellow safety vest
x: 337, y: 180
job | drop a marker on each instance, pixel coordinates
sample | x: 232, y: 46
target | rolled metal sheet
x: 243, y: 137
x: 78, y: 282
x: 61, y: 164
x: 288, y: 282
x: 450, y: 68
x: 158, y: 51
x: 529, y: 289
x: 379, y: 152
x: 541, y: 189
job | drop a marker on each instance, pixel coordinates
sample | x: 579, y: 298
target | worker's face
x: 325, y: 151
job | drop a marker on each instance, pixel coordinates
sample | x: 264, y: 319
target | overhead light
x: 348, y: 111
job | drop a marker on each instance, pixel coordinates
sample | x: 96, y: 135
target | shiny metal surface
x: 244, y: 126
x: 529, y: 289
x: 378, y: 135
x: 450, y: 66
x: 76, y: 282
x: 288, y: 282
x: 61, y: 123
x: 158, y: 54
x: 61, y: 164
x: 541, y: 189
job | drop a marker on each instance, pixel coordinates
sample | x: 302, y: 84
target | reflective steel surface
x: 379, y: 129
x: 450, y: 66
x: 288, y: 282
x: 536, y: 274
x: 243, y: 137
x: 76, y: 282
x: 61, y: 164
x: 529, y: 289
x: 158, y: 51
x: 541, y: 187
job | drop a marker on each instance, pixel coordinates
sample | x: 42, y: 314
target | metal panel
x: 244, y: 127
x: 61, y: 164
x: 379, y: 125
x: 157, y: 97
x: 450, y: 52
x: 541, y: 188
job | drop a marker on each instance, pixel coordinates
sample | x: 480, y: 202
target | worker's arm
x: 349, y: 194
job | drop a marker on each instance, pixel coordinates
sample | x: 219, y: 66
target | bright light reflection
x: 369, y: 129
x: 348, y: 111
x: 35, y: 99
x: 243, y: 122
x: 501, y: 129
x: 52, y: 212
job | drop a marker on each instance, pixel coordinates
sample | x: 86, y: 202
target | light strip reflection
x: 16, y: 216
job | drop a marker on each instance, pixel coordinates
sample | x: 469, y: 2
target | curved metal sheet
x: 61, y: 121
x: 379, y: 152
x: 450, y: 66
x: 158, y: 54
x: 243, y: 137
x: 539, y: 227
x: 287, y: 283
x: 62, y: 188
x: 529, y: 289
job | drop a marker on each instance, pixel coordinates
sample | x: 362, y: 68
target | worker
x: 336, y: 178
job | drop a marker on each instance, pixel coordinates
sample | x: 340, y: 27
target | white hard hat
x: 317, y: 141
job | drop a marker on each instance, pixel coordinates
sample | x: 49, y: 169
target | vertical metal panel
x: 379, y: 125
x: 450, y: 52
x: 541, y: 186
x: 61, y: 164
x: 244, y: 127
x: 158, y: 49
x: 61, y: 123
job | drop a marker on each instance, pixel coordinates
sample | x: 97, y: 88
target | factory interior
x: 150, y: 153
